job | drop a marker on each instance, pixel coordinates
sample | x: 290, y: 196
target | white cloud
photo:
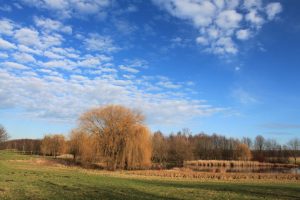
x: 256, y: 19
x: 54, y: 97
x: 3, y: 55
x: 224, y: 45
x: 28, y: 37
x: 6, y: 27
x: 168, y: 84
x: 13, y: 65
x: 51, y: 40
x: 17, y: 5
x: 60, y: 64
x: 52, y: 25
x: 232, y: 4
x: 6, y: 45
x: 228, y: 19
x: 47, y: 78
x: 125, y: 27
x: 243, y: 34
x: 89, y: 62
x: 70, y: 8
x: 67, y: 52
x: 27, y: 49
x: 52, y: 55
x: 220, y: 22
x: 273, y: 9
x: 24, y: 57
x: 128, y: 69
x: 202, y: 40
x: 200, y: 12
x: 96, y: 42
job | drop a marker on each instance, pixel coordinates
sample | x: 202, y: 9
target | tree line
x: 176, y: 148
x: 116, y: 137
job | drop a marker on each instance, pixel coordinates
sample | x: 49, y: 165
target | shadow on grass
x: 252, y: 190
x: 103, y: 192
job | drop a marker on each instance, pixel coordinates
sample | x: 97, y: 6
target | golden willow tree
x: 118, y: 137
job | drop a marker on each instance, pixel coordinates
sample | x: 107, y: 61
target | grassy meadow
x: 34, y: 177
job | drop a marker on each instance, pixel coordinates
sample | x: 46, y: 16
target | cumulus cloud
x: 222, y: 22
x: 65, y: 98
x: 52, y: 25
x: 125, y: 27
x: 50, y: 79
x: 129, y: 69
x: 6, y: 27
x: 24, y: 57
x: 13, y: 65
x: 96, y: 42
x: 70, y: 8
x: 27, y: 36
x: 6, y: 45
x: 30, y: 37
x: 256, y: 19
x: 3, y: 55
x: 243, y: 34
x: 228, y: 19
x: 273, y: 9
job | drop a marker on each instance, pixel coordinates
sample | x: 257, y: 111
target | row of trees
x: 269, y: 150
x: 163, y: 151
x: 117, y: 138
x: 114, y: 136
x: 176, y: 148
x: 28, y: 146
x: 31, y: 146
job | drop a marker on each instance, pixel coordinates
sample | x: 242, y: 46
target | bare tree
x: 118, y: 130
x: 294, y: 145
x: 180, y: 149
x: 3, y: 134
x: 247, y: 141
x: 160, y: 148
x: 53, y: 145
x: 259, y: 143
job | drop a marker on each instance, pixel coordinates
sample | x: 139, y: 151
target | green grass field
x: 31, y: 177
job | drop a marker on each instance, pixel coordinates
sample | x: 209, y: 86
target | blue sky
x: 219, y: 66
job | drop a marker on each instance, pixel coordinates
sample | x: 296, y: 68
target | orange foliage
x: 118, y: 135
x: 53, y: 145
x: 243, y: 152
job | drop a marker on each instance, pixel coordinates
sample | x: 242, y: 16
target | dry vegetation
x: 189, y: 174
x: 227, y: 163
x: 35, y: 177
